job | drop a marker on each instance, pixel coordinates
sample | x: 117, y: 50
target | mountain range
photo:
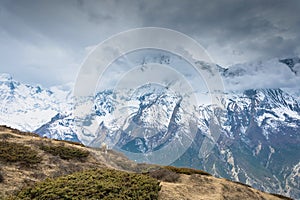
x: 252, y: 136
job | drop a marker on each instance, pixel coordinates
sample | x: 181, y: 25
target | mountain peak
x: 5, y: 77
x: 292, y: 63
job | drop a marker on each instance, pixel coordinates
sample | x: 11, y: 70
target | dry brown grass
x: 196, y: 185
x: 281, y: 196
x: 201, y: 187
x: 16, y: 176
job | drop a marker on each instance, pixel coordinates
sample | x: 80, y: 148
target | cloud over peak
x: 41, y: 39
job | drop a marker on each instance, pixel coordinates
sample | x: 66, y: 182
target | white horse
x: 104, y: 147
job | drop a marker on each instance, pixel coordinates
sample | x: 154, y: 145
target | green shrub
x: 95, y: 184
x: 5, y: 136
x: 164, y: 175
x: 145, y: 168
x: 188, y: 171
x: 13, y: 152
x: 64, y: 152
x: 1, y: 177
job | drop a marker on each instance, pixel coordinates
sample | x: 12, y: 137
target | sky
x: 46, y: 41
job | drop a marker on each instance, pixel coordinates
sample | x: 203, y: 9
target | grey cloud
x: 232, y: 31
x: 265, y: 74
x: 233, y: 24
x: 71, y: 22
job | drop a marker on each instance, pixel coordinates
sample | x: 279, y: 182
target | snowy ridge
x: 27, y: 107
x: 255, y: 135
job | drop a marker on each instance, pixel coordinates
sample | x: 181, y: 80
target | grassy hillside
x: 32, y: 167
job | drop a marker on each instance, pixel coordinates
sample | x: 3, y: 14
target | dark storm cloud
x: 251, y: 27
x: 54, y: 34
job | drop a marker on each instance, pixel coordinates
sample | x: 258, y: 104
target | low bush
x: 164, y: 175
x: 1, y: 177
x: 188, y: 171
x: 6, y: 136
x: 65, y: 152
x: 15, y: 152
x: 95, y: 184
x: 145, y: 168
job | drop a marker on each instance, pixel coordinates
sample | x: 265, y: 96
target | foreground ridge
x: 40, y: 168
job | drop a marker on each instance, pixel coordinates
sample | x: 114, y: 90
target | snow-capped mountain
x: 59, y: 127
x: 259, y: 135
x: 27, y: 107
x: 258, y: 141
x: 253, y: 137
x: 33, y: 108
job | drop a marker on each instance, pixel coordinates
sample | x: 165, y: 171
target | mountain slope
x: 16, y: 174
